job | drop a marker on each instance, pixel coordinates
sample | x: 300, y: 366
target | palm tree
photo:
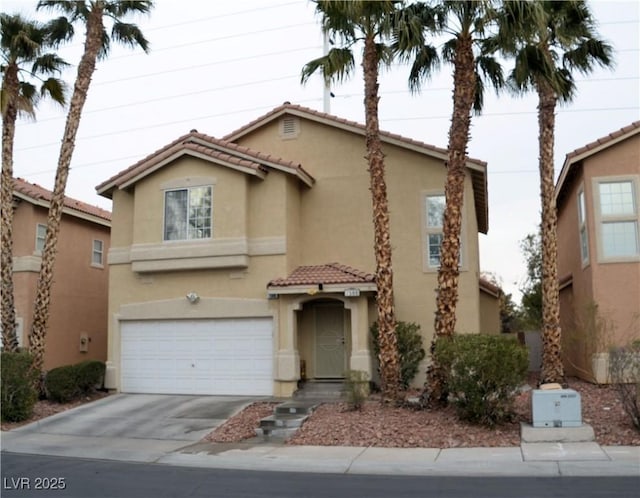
x: 465, y: 22
x: 563, y: 39
x: 370, y: 22
x: 22, y: 43
x: 92, y: 15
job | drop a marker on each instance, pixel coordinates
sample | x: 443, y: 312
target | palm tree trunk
x: 552, y: 367
x: 388, y: 356
x: 87, y: 65
x: 447, y: 296
x: 10, y: 90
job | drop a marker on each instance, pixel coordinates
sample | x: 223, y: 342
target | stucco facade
x: 599, y: 272
x: 289, y: 190
x: 78, y: 313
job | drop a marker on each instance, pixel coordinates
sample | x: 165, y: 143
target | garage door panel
x: 225, y: 356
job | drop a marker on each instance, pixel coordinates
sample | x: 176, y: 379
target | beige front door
x: 329, y: 343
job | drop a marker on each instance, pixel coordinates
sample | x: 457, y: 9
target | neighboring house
x: 78, y: 312
x: 598, y: 202
x: 236, y: 261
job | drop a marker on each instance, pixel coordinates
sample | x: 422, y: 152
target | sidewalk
x: 529, y: 459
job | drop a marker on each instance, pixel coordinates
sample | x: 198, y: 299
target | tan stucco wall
x: 489, y: 314
x: 612, y: 287
x: 79, y: 291
x: 339, y: 204
x: 328, y: 222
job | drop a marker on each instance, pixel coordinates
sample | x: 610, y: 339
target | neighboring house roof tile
x: 477, y: 168
x: 331, y: 273
x: 574, y: 158
x: 207, y: 147
x: 37, y: 194
x: 489, y: 287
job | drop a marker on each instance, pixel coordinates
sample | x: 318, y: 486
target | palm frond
x: 426, y: 62
x: 49, y: 64
x: 56, y: 89
x: 336, y: 65
x: 129, y: 35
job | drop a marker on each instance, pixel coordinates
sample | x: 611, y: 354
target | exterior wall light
x: 192, y: 297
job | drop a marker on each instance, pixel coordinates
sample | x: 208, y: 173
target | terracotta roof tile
x: 207, y: 145
x: 604, y: 140
x: 331, y: 273
x: 574, y: 158
x: 36, y: 192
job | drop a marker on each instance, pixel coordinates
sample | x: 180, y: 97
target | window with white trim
x: 41, y: 233
x: 188, y: 213
x: 582, y: 227
x: 618, y: 216
x: 97, y: 253
x: 434, y: 212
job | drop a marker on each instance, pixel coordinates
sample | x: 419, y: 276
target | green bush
x: 483, y: 374
x: 90, y: 375
x: 61, y: 384
x: 410, y: 349
x: 18, y: 382
x: 69, y: 382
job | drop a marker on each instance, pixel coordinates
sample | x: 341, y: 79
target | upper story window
x: 434, y: 209
x: 618, y: 216
x: 97, y: 253
x: 188, y: 213
x: 582, y: 227
x: 41, y: 233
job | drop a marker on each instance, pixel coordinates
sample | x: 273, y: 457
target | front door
x: 330, y: 357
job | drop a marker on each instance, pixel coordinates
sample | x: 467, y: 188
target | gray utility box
x: 556, y: 408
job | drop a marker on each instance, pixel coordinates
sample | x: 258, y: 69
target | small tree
x: 531, y: 304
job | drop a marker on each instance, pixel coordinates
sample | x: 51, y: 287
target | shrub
x: 357, y: 388
x: 18, y: 391
x: 61, y: 384
x: 410, y: 349
x: 624, y: 370
x: 90, y: 375
x: 483, y: 373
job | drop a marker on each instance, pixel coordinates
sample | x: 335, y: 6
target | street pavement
x: 169, y: 429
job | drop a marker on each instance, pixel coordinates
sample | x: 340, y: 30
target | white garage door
x: 222, y: 356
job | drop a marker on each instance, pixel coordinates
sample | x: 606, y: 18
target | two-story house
x: 78, y: 311
x: 598, y: 202
x: 236, y: 263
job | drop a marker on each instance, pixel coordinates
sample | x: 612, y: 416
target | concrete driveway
x: 136, y: 427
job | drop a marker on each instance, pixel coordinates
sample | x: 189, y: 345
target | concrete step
x: 295, y: 408
x: 321, y: 391
x: 286, y: 419
x: 282, y: 420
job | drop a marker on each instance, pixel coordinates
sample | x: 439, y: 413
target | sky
x: 216, y: 66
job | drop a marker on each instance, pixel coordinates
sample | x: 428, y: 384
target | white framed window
x: 97, y: 253
x: 618, y: 216
x: 41, y: 233
x: 582, y: 228
x: 433, y: 208
x: 434, y: 213
x: 188, y: 213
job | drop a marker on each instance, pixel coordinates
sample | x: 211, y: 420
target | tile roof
x: 204, y: 145
x: 477, y: 168
x: 574, y: 157
x: 36, y: 192
x: 331, y: 273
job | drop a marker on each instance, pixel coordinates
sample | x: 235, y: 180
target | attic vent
x: 289, y: 127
